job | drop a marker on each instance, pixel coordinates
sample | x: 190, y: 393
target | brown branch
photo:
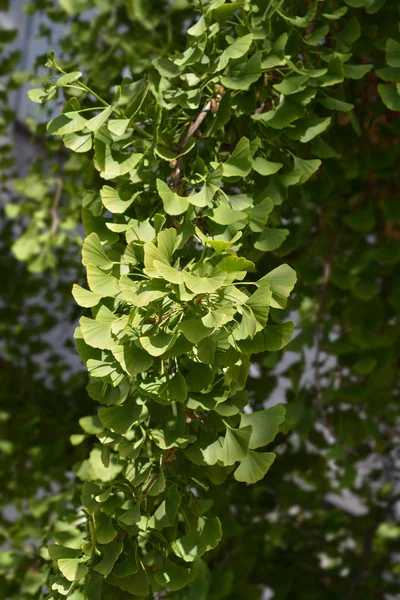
x: 318, y: 326
x: 211, y: 105
x: 260, y: 109
x: 320, y: 313
x: 56, y: 202
x: 169, y: 456
x: 196, y: 124
x: 367, y: 547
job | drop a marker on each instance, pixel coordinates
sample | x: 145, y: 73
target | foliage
x: 246, y: 135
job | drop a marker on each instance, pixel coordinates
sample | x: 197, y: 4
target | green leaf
x: 335, y: 104
x: 158, y: 344
x: 121, y: 418
x: 173, y: 204
x: 84, y: 297
x: 68, y: 78
x: 37, y: 95
x: 390, y: 96
x: 128, y: 565
x: 266, y: 167
x: 73, y: 569
x: 137, y: 585
x: 96, y: 333
x: 112, y: 163
x: 96, y: 122
x: 264, y: 424
x: 204, y: 285
x: 177, y: 388
x: 356, y: 71
x: 194, y: 330
x: 113, y: 201
x: 282, y: 281
x: 254, y: 467
x: 78, y: 142
x: 239, y: 164
x: 67, y: 123
x: 132, y: 359
x: 104, y: 530
x: 259, y: 303
x: 244, y: 75
x: 166, y: 513
x: 93, y: 253
x: 286, y: 113
x: 307, y: 129
x: 101, y: 283
x: 271, y: 239
x: 198, y: 29
x: 194, y: 544
x: 236, y: 50
x: 174, y: 577
x: 277, y: 337
x: 91, y: 425
x: 307, y: 167
x: 168, y: 273
x: 109, y: 556
x: 57, y: 551
x: 131, y: 516
x: 393, y: 53
x: 206, y: 194
x: 236, y: 443
x: 224, y: 214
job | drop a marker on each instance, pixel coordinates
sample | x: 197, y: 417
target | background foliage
x: 293, y: 114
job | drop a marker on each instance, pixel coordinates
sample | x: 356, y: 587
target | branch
x: 211, y: 105
x: 320, y: 313
x: 367, y: 547
x: 56, y: 202
x: 169, y: 456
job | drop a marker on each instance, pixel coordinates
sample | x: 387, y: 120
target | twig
x: 367, y: 547
x: 320, y: 313
x: 196, y: 124
x: 169, y: 456
x: 260, y: 109
x: 56, y: 202
x: 177, y: 174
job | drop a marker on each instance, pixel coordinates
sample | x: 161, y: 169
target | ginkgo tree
x: 197, y: 175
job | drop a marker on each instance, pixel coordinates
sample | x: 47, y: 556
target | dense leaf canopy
x: 217, y: 183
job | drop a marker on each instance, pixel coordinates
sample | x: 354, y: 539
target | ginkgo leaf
x: 101, y: 283
x: 93, y: 253
x: 204, y: 285
x: 239, y: 163
x: 282, y: 281
x: 271, y: 239
x: 194, y: 330
x: 84, y: 297
x: 132, y: 359
x: 266, y: 167
x: 236, y: 50
x: 157, y: 344
x: 96, y: 333
x: 236, y: 443
x: 173, y: 576
x: 66, y: 123
x: 254, y: 467
x: 173, y: 204
x: 121, y: 418
x: 168, y: 273
x: 109, y: 556
x: 113, y: 201
x: 264, y: 424
x: 73, y: 569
